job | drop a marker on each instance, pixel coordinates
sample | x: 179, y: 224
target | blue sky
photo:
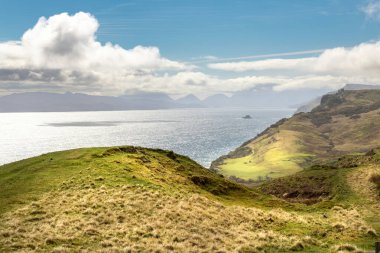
x: 187, y: 29
x: 179, y: 47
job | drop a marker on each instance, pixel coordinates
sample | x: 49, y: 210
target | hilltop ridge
x: 317, y: 101
x: 345, y: 122
x: 322, y: 196
x: 131, y: 199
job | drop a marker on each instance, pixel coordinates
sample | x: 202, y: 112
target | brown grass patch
x: 139, y: 218
x: 365, y: 181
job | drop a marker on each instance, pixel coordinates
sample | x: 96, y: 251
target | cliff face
x: 345, y: 122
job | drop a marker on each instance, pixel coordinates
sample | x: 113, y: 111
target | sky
x: 179, y: 47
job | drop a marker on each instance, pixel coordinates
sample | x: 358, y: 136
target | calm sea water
x: 202, y: 134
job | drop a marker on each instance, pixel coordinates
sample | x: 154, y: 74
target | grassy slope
x: 24, y: 181
x: 347, y: 183
x: 290, y: 145
x: 135, y: 199
x: 282, y: 150
x: 273, y: 157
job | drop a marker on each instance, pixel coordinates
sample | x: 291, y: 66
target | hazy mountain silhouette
x: 265, y: 96
x: 44, y: 102
x: 260, y: 96
x: 147, y: 100
x: 190, y: 101
x: 217, y: 100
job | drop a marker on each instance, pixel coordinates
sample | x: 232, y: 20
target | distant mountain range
x: 261, y: 96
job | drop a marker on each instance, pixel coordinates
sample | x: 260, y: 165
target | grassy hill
x: 130, y: 199
x: 323, y: 196
x: 344, y: 123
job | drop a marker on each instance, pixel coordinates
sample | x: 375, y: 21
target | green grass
x: 377, y: 151
x: 145, y: 198
x: 291, y: 145
x: 25, y: 181
x: 275, y: 164
x: 271, y: 157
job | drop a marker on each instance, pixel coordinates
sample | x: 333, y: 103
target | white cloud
x: 258, y: 56
x: 205, y: 57
x: 61, y: 52
x: 359, y: 61
x: 331, y: 69
x: 64, y: 48
x: 271, y: 64
x: 200, y: 83
x: 372, y: 10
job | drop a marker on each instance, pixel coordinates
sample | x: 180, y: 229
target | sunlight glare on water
x: 201, y: 134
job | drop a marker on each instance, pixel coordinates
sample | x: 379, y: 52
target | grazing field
x: 129, y: 199
x: 270, y: 158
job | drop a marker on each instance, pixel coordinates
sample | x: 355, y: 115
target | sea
x: 201, y: 134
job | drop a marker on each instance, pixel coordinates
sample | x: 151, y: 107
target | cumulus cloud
x: 63, y: 48
x: 62, y: 51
